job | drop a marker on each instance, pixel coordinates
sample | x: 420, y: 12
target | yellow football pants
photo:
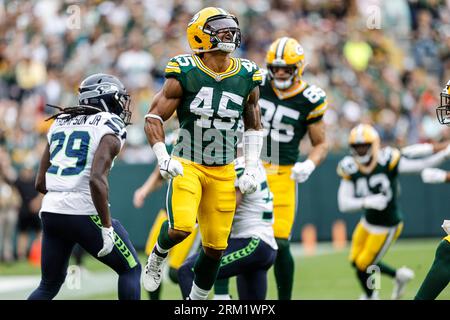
x: 206, y: 195
x: 179, y: 252
x: 284, y: 191
x: 369, y: 246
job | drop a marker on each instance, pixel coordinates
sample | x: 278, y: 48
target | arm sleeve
x: 113, y: 125
x: 416, y: 165
x: 347, y: 201
x: 317, y: 113
x: 173, y: 70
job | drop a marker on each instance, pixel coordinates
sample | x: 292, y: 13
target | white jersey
x: 72, y: 148
x: 254, y: 215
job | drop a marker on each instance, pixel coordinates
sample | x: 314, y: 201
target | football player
x: 369, y: 183
x: 439, y: 275
x: 73, y: 174
x: 210, y: 91
x: 179, y: 252
x: 290, y: 108
x: 251, y: 248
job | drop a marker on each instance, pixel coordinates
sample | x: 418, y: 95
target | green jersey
x: 211, y: 107
x: 383, y: 179
x: 286, y: 116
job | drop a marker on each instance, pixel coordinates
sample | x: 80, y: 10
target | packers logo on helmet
x: 443, y: 111
x: 285, y: 53
x: 204, y: 27
x: 364, y: 143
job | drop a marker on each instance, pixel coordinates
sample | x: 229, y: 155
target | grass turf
x: 325, y: 275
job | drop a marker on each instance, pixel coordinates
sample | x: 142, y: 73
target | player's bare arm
x: 153, y: 182
x: 316, y: 132
x: 163, y: 106
x: 40, y: 184
x: 252, y: 112
x: 107, y: 150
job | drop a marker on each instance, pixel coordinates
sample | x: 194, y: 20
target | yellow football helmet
x: 364, y: 143
x: 204, y: 27
x: 286, y: 53
x: 443, y: 111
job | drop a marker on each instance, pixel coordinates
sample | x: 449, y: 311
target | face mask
x: 282, y: 84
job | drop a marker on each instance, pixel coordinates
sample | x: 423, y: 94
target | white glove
x: 168, y: 167
x: 434, y: 175
x: 418, y: 150
x: 376, y: 201
x: 446, y: 226
x: 302, y: 170
x: 247, y: 182
x: 108, y: 241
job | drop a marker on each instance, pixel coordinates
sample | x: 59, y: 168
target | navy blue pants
x: 60, y: 234
x: 248, y: 259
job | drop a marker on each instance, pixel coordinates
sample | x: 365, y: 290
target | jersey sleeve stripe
x: 113, y: 127
x: 172, y: 69
x: 173, y: 64
x: 318, y: 111
x: 395, y: 158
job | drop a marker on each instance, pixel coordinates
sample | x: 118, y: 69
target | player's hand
x: 434, y: 175
x: 302, y: 170
x: 418, y: 150
x: 170, y: 168
x: 138, y: 198
x: 108, y: 241
x: 247, y: 182
x: 376, y: 201
x: 446, y: 226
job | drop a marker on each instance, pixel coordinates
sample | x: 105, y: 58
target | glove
x: 302, y: 170
x: 446, y: 226
x: 434, y: 175
x: 170, y: 168
x: 108, y: 241
x: 376, y: 201
x: 418, y: 150
x: 247, y: 182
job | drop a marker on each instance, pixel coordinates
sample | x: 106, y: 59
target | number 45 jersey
x: 73, y: 143
x: 286, y: 116
x: 211, y: 107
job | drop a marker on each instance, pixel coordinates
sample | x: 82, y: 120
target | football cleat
x: 152, y: 273
x: 402, y: 277
x: 374, y: 296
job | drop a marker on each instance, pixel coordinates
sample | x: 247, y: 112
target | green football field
x: 324, y: 275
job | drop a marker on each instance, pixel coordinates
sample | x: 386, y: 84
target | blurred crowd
x: 380, y: 61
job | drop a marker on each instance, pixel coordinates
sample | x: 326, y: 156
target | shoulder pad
x: 347, y: 167
x: 384, y: 155
x: 179, y: 64
x: 314, y: 94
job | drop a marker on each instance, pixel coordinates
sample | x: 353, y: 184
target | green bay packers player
x: 210, y: 92
x: 291, y: 108
x: 438, y: 276
x: 181, y: 251
x: 369, y: 183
